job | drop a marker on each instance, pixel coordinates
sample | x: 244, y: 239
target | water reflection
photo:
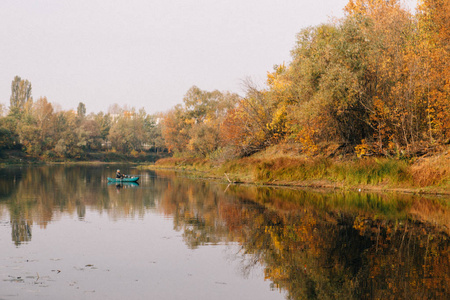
x: 38, y: 195
x: 348, y: 245
x: 313, y: 245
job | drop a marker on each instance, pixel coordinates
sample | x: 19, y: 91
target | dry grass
x: 432, y: 171
x: 172, y: 162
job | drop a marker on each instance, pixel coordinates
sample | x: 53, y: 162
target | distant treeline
x: 36, y: 128
x: 376, y: 81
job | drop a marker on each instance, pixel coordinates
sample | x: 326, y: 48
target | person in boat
x: 119, y: 175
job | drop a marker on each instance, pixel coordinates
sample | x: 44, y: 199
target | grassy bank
x: 429, y: 174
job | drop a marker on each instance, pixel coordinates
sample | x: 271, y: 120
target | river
x: 65, y: 233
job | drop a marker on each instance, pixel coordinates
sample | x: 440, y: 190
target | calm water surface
x: 65, y: 233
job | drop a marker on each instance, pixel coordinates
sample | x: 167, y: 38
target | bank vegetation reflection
x: 311, y: 244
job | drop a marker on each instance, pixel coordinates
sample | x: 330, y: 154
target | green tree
x: 8, y: 133
x: 328, y: 69
x: 7, y: 138
x: 81, y: 110
x: 20, y: 95
x: 68, y: 143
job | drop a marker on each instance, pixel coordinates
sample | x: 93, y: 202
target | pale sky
x: 147, y: 53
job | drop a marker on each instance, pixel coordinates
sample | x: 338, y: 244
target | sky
x: 147, y: 53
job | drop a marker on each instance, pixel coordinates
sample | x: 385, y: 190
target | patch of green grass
x: 370, y: 171
x: 285, y: 169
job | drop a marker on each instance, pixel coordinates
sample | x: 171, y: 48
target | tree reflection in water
x: 323, y: 245
x: 312, y: 244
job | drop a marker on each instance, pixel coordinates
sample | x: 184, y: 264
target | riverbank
x: 428, y: 174
x: 16, y: 157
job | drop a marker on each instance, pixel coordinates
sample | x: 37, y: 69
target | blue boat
x: 125, y: 179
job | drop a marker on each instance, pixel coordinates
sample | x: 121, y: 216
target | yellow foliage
x: 278, y: 123
x: 189, y: 121
x: 279, y: 84
x: 362, y: 149
x: 134, y: 153
x: 307, y: 140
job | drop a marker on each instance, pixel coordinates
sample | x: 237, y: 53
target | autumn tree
x: 35, y: 127
x: 89, y: 134
x: 206, y: 110
x: 433, y: 56
x: 175, y: 129
x: 130, y: 131
x: 104, y: 122
x: 246, y: 126
x: 194, y: 127
x: 361, y: 79
x: 408, y: 60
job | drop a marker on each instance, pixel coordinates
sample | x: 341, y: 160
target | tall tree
x: 328, y: 69
x: 81, y: 110
x: 434, y: 63
x: 20, y: 95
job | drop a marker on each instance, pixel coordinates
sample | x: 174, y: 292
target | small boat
x: 125, y: 179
